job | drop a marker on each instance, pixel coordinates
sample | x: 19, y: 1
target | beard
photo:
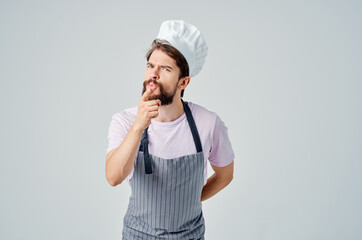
x: 165, y: 97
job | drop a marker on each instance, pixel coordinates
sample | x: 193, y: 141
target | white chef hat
x: 186, y: 38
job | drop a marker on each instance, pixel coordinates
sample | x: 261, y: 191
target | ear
x: 183, y: 82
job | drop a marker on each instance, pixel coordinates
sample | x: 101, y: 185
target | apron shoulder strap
x: 195, y: 133
x: 144, y: 146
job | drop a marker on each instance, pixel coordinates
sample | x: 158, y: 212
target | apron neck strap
x: 195, y: 135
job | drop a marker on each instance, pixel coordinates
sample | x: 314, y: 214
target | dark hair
x: 175, y: 54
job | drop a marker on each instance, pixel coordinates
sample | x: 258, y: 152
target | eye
x: 149, y: 66
x: 166, y: 69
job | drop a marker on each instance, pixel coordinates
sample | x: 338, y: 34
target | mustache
x: 146, y: 82
x: 149, y: 81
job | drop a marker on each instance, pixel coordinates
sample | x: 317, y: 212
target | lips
x: 152, y: 86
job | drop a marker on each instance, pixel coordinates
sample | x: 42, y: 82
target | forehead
x: 160, y: 58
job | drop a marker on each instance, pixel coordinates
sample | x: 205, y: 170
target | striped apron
x: 166, y: 194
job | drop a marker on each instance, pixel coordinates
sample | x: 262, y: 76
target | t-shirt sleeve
x: 117, y: 132
x: 221, y: 152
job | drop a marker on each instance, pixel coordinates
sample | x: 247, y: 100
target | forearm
x: 213, y: 185
x: 120, y: 163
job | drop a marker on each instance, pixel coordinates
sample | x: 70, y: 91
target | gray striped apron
x: 166, y: 194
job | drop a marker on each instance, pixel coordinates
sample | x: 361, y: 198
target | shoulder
x: 204, y: 117
x: 201, y: 112
x: 127, y: 115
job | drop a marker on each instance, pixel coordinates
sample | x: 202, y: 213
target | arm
x: 120, y: 161
x: 219, y: 180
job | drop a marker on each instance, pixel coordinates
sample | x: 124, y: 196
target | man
x: 161, y: 147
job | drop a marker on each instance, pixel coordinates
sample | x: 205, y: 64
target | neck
x: 171, y: 112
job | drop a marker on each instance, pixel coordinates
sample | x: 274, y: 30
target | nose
x: 154, y: 74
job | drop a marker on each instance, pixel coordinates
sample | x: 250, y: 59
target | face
x: 162, y: 76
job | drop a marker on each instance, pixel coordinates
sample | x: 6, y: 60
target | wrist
x: 137, y: 129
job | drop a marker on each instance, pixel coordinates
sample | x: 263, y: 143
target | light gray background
x: 284, y: 76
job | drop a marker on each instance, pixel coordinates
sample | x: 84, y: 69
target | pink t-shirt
x: 174, y: 139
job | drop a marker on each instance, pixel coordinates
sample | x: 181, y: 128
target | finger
x: 155, y: 102
x: 153, y: 108
x: 153, y: 114
x: 146, y: 94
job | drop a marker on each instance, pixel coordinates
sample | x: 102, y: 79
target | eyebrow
x: 164, y: 66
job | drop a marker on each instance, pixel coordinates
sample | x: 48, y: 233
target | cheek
x: 170, y: 87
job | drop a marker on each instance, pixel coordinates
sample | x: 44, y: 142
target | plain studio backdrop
x: 284, y: 76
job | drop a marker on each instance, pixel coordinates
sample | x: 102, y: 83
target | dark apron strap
x: 195, y: 135
x: 144, y: 145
